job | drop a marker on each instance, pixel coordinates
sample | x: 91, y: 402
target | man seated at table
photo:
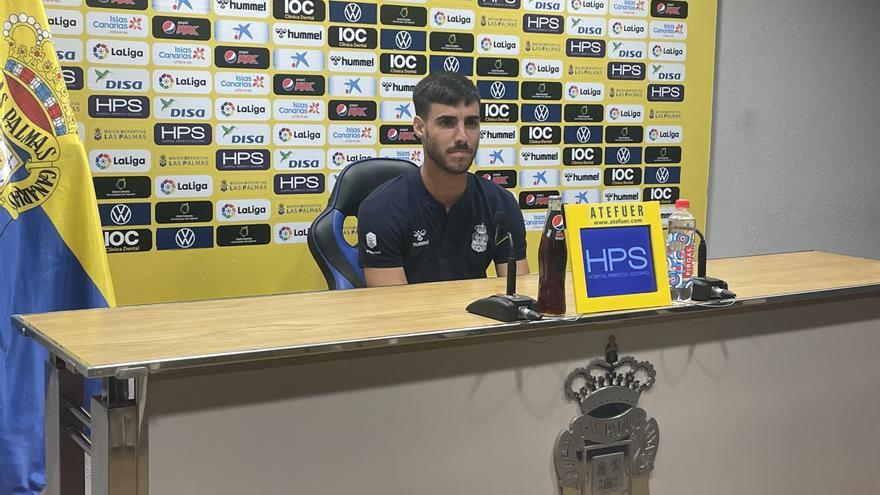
x: 439, y: 222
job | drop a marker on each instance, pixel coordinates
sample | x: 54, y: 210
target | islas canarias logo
x: 35, y: 111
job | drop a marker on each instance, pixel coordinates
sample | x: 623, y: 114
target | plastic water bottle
x: 680, y: 251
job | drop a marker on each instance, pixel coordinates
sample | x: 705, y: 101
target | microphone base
x: 507, y: 308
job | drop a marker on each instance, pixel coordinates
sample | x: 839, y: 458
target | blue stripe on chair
x: 349, y: 251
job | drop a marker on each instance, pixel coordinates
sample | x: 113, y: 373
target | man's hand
x: 522, y: 268
x: 378, y: 277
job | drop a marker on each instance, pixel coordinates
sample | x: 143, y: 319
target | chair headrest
x: 359, y: 179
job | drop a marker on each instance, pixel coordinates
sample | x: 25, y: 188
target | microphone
x: 500, y: 218
x: 511, y: 306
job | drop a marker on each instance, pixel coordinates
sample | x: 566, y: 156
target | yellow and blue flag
x: 51, y: 251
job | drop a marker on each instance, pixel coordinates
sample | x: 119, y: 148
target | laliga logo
x: 573, y: 91
x: 227, y: 109
x: 617, y: 27
x: 101, y: 51
x: 166, y: 81
x: 614, y: 113
x: 285, y: 134
x: 167, y: 187
x: 487, y: 44
x: 653, y: 135
x: 103, y: 161
x: 531, y: 68
x: 228, y: 210
x: 285, y: 233
x: 657, y: 49
x: 339, y: 158
x: 440, y: 18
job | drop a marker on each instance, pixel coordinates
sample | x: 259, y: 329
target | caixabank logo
x: 299, y: 110
x: 239, y: 134
x: 241, y: 159
x: 239, y: 57
x: 299, y: 10
x: 491, y: 156
x: 181, y: 107
x: 181, y: 55
x: 352, y: 86
x: 241, y: 31
x: 118, y: 80
x: 181, y: 28
x: 396, y: 111
x: 119, y: 106
x: 539, y: 178
x: 242, y: 109
x: 298, y: 85
x: 117, y: 24
x: 181, y: 7
x: 116, y: 52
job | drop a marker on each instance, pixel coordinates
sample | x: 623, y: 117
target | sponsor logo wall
x: 216, y: 129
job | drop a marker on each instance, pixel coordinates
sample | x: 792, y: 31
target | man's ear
x: 418, y: 126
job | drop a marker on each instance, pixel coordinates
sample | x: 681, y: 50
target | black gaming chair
x: 337, y: 259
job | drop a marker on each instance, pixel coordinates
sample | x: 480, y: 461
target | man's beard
x: 439, y: 157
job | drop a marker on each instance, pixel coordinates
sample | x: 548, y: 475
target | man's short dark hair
x: 446, y: 88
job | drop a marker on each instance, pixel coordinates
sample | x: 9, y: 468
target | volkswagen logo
x: 497, y: 90
x: 120, y: 214
x: 662, y: 175
x: 403, y: 40
x: 583, y: 134
x: 451, y: 64
x: 542, y: 113
x: 353, y: 12
x: 623, y: 155
x: 185, y: 238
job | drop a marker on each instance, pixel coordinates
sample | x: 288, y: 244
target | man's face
x: 451, y: 135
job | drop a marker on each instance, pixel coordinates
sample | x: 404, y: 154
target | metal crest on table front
x: 610, y: 448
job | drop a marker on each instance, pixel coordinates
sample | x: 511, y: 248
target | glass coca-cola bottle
x: 552, y: 256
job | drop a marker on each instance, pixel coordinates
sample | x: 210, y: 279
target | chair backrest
x: 337, y: 259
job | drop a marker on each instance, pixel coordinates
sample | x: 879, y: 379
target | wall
x: 794, y: 162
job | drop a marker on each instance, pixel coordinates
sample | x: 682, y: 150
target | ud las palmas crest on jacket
x: 610, y: 448
x: 35, y: 112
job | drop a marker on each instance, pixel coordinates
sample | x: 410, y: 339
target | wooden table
x: 172, y: 373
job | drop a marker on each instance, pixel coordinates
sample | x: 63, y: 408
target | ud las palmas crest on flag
x: 51, y: 253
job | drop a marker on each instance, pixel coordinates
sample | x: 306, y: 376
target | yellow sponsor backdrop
x: 160, y: 42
